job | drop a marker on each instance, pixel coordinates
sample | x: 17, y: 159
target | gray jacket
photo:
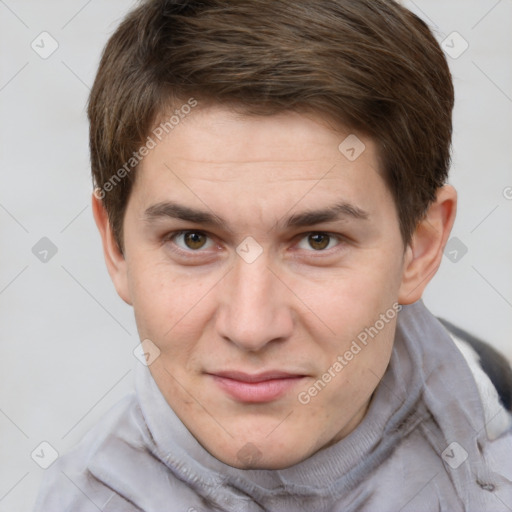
x: 434, y: 438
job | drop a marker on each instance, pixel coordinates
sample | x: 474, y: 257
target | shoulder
x: 69, y: 484
x: 488, y: 359
x: 117, y: 467
x: 498, y: 420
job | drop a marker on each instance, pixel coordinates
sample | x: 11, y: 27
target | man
x: 270, y: 192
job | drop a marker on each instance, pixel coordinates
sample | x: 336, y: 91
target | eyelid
x: 172, y: 236
x: 339, y: 238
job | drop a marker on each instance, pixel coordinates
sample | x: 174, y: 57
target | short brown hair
x: 372, y: 66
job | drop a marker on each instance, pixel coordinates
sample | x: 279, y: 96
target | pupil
x: 194, y: 240
x: 318, y: 241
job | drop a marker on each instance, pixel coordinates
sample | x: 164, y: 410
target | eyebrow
x: 336, y: 212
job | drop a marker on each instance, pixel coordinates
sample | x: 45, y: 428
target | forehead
x: 218, y: 158
x: 215, y: 133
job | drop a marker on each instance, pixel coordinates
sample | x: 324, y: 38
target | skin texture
x: 295, y: 308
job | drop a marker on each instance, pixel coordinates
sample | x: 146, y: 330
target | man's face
x: 256, y: 254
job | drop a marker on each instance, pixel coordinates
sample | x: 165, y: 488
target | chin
x: 260, y: 461
x: 262, y: 453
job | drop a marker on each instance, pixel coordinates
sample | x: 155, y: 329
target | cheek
x: 157, y: 302
x: 354, y: 298
x: 170, y: 308
x: 359, y: 353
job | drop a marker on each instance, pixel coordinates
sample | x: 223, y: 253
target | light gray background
x: 67, y: 339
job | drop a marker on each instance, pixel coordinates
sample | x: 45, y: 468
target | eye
x: 191, y: 240
x: 318, y: 241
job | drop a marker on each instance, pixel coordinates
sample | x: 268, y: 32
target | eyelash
x: 200, y: 253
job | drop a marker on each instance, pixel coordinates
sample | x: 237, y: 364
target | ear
x: 116, y: 263
x: 425, y: 251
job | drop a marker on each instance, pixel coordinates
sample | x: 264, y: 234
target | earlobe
x: 114, y: 259
x: 425, y: 251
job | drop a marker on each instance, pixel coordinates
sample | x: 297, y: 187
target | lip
x: 256, y: 388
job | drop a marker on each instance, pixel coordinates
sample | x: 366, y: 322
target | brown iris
x: 194, y: 240
x: 319, y: 241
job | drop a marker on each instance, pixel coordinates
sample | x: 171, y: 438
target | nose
x: 255, y: 307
